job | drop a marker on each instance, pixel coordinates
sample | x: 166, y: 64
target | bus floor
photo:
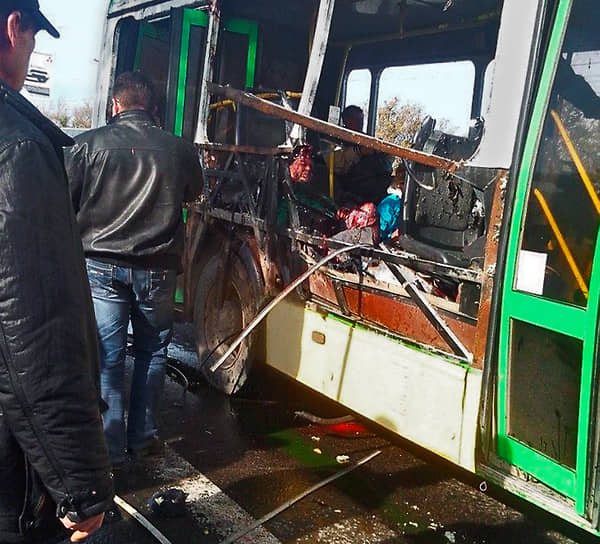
x: 239, y: 458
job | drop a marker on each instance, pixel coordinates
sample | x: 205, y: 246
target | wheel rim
x: 224, y: 323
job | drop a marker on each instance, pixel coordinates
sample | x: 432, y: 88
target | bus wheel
x: 216, y: 325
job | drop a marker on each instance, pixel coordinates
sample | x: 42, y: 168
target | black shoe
x: 156, y: 447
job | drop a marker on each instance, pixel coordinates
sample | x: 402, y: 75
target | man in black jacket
x: 129, y: 180
x: 53, y: 459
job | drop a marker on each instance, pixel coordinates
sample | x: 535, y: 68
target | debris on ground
x: 349, y: 429
x: 169, y: 503
x: 450, y: 537
x: 323, y: 420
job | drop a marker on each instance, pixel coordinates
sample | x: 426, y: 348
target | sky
x: 444, y: 90
x: 80, y: 23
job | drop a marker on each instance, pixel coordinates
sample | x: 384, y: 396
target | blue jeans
x: 146, y: 297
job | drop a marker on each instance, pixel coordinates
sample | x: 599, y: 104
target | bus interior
x: 435, y: 49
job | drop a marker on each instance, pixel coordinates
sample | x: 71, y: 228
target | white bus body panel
x: 515, y: 42
x: 421, y: 397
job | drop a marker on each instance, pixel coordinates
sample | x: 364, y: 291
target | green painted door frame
x: 193, y: 17
x: 568, y: 320
x: 250, y: 28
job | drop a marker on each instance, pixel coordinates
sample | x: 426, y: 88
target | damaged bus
x: 471, y: 326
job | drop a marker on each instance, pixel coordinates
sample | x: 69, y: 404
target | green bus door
x: 552, y: 285
x: 236, y: 62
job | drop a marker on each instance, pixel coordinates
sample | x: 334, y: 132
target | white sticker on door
x: 531, y: 271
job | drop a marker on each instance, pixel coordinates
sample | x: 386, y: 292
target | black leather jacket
x: 128, y: 182
x: 51, y: 438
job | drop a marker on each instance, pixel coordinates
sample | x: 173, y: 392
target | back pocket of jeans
x: 99, y: 273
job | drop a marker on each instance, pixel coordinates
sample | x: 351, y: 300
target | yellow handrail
x: 577, y: 160
x: 562, y: 242
x: 331, y: 165
x: 267, y: 96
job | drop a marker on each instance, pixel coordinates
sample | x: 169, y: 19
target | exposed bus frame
x: 500, y: 152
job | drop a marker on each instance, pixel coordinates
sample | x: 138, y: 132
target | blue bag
x: 390, y: 215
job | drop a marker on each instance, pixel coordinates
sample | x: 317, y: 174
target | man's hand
x: 84, y: 528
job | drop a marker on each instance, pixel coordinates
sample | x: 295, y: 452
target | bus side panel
x: 424, y: 398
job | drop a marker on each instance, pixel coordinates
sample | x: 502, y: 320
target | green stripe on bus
x: 191, y: 18
x: 243, y: 26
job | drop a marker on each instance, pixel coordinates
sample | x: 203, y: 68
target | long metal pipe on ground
x: 298, y: 498
x: 280, y: 297
x: 141, y: 520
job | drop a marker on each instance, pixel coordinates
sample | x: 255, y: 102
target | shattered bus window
x: 358, y: 92
x: 407, y: 94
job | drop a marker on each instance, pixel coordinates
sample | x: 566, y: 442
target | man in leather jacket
x: 129, y: 180
x: 53, y: 459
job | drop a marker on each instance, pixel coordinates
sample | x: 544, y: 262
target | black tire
x: 216, y: 327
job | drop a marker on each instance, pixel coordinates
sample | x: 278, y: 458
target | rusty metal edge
x: 269, y: 108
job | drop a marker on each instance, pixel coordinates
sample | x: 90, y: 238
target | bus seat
x: 430, y: 253
x: 442, y: 215
x: 255, y: 128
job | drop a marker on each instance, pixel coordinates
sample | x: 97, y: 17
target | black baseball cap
x: 32, y: 7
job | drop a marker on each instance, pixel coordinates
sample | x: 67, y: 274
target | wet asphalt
x: 254, y: 450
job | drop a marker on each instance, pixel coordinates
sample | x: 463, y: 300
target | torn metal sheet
x: 395, y: 314
x: 209, y: 66
x: 402, y: 257
x: 408, y: 279
x: 317, y: 56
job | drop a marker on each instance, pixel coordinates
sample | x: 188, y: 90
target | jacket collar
x: 17, y: 101
x: 133, y: 116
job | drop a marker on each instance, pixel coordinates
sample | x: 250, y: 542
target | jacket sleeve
x: 49, y: 390
x: 75, y: 163
x: 193, y: 172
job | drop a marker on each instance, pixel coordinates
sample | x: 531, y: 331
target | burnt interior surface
x: 358, y: 19
x: 380, y: 33
x: 447, y: 225
x: 295, y: 13
x: 283, y: 48
x: 381, y: 17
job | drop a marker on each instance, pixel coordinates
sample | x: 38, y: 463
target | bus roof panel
x: 357, y: 20
x: 118, y: 6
